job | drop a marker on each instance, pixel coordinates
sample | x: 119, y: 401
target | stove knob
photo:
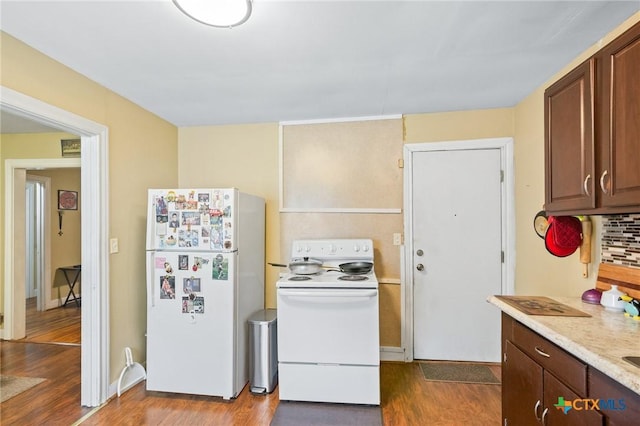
x: 356, y: 248
x: 365, y: 248
x: 332, y: 248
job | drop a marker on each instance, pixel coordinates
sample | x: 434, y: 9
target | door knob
x: 420, y: 267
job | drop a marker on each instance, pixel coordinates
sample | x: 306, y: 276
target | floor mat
x: 290, y: 413
x: 461, y: 372
x: 11, y: 386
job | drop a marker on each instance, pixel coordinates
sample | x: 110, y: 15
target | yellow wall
x: 243, y: 157
x: 142, y: 153
x: 447, y: 126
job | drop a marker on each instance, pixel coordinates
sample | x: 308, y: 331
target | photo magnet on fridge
x: 183, y: 262
x: 220, y: 268
x: 167, y: 287
x: 191, y: 285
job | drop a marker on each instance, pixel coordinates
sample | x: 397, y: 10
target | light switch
x: 113, y: 245
x: 397, y: 239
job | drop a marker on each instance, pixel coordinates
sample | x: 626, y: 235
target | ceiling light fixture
x: 216, y: 13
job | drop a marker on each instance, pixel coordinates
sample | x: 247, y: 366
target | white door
x: 456, y: 261
x: 37, y: 258
x: 31, y: 283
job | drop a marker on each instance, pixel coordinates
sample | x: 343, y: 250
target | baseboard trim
x: 392, y: 353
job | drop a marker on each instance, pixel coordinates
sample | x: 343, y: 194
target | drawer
x: 551, y: 357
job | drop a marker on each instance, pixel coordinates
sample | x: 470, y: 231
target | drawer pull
x: 544, y: 416
x: 541, y: 352
x: 535, y: 410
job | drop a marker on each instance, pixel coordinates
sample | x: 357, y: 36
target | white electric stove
x: 328, y: 328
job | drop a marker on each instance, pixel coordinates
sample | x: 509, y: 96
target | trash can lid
x: 264, y: 315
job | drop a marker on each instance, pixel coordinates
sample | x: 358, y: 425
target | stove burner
x: 299, y: 278
x: 353, y: 278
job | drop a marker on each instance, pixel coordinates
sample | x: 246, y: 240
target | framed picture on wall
x: 70, y: 147
x: 67, y: 200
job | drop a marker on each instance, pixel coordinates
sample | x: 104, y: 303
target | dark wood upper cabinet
x: 592, y: 133
x: 569, y: 141
x: 618, y: 64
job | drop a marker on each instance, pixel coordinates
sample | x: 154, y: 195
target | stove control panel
x: 330, y: 248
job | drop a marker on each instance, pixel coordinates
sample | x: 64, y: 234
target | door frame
x: 505, y: 145
x: 95, y: 238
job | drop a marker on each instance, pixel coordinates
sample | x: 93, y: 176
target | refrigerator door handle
x: 150, y: 285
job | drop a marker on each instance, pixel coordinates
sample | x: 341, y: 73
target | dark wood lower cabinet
x: 620, y: 405
x: 521, y: 388
x: 533, y: 396
x: 538, y: 377
x: 581, y: 413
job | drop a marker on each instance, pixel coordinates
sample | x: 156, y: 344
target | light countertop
x: 600, y: 340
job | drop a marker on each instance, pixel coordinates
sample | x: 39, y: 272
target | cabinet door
x: 618, y: 403
x: 579, y: 413
x: 619, y: 118
x: 521, y: 388
x: 569, y: 141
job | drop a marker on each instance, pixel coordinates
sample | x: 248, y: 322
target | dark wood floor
x: 407, y: 398
x: 60, y: 325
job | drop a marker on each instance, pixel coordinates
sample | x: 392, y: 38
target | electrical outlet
x: 113, y: 245
x: 397, y: 239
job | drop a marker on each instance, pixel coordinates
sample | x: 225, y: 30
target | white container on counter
x: 611, y: 299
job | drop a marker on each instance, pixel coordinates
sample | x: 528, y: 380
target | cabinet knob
x: 585, y: 185
x: 604, y: 174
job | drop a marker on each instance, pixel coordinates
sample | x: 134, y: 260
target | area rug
x: 461, y: 372
x: 11, y: 386
x: 290, y: 413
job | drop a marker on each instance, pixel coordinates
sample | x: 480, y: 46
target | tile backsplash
x: 621, y: 239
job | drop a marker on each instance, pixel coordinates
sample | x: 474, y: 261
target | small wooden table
x: 66, y: 270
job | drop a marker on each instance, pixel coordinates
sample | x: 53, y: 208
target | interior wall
x: 328, y: 165
x: 142, y: 154
x: 243, y: 157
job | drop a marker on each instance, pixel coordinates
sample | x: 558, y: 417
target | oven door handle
x: 340, y: 293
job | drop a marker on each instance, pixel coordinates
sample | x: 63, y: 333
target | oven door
x: 328, y: 326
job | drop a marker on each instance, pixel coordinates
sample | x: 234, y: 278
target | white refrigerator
x: 205, y: 277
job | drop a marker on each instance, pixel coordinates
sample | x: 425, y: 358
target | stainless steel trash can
x: 263, y: 351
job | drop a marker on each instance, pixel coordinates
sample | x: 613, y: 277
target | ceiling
x: 304, y: 60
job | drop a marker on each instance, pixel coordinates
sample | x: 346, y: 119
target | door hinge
x: 505, y: 421
x: 504, y: 357
x: 501, y: 176
x: 502, y: 256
